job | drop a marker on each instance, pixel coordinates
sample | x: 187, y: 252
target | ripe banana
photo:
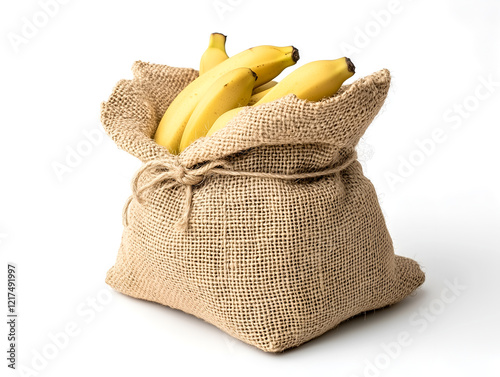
x: 229, y: 91
x: 266, y: 61
x: 313, y: 82
x: 257, y: 96
x: 214, y: 54
x: 267, y: 85
x: 223, y: 120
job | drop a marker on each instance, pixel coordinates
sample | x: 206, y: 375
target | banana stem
x: 295, y: 55
x: 350, y: 65
x: 217, y: 40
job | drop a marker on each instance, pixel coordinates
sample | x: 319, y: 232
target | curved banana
x: 257, y: 96
x: 231, y: 90
x: 223, y: 120
x: 266, y: 61
x: 313, y: 82
x: 214, y: 54
x: 267, y: 85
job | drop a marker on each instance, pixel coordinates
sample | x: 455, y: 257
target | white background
x: 63, y: 231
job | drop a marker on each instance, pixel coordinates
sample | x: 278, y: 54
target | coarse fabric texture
x: 267, y: 229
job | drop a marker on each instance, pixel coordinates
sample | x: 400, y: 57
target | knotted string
x: 177, y: 175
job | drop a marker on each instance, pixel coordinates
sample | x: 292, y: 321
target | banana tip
x: 350, y: 65
x: 254, y: 75
x: 217, y: 33
x: 295, y: 54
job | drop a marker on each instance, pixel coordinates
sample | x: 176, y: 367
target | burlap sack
x: 267, y: 229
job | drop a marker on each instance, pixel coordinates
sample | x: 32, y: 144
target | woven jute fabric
x: 281, y: 237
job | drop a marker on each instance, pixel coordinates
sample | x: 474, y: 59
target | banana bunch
x: 313, y: 82
x: 227, y: 84
x: 266, y: 62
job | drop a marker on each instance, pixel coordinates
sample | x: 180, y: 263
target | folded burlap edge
x: 339, y: 120
x: 134, y: 109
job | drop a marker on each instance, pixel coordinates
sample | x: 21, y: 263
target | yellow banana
x: 229, y: 91
x: 257, y: 96
x: 313, y: 82
x: 266, y: 61
x: 214, y: 54
x: 267, y: 85
x: 223, y: 120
